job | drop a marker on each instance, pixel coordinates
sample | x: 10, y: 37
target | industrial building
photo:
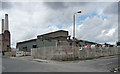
x: 5, y: 38
x: 57, y: 38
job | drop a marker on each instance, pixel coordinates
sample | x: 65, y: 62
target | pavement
x: 29, y: 58
x: 55, y: 61
x: 27, y: 64
x: 23, y: 58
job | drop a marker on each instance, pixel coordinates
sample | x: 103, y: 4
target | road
x: 96, y: 65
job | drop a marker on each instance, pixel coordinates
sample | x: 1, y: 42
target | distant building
x: 5, y: 36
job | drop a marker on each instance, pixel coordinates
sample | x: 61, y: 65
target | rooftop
x: 52, y: 32
x: 27, y: 41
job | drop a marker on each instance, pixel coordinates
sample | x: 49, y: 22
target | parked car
x: 19, y: 53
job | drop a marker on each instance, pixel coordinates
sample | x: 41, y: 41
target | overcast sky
x: 98, y: 21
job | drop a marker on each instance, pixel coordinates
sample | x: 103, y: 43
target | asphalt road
x: 96, y: 65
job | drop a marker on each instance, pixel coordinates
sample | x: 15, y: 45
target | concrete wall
x: 72, y: 53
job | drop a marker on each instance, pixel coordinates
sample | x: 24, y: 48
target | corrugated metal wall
x: 38, y: 42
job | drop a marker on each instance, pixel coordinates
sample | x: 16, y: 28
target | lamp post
x: 74, y: 24
x: 74, y: 30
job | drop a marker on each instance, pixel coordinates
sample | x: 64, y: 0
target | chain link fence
x: 71, y: 53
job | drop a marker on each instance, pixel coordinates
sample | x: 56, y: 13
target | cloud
x: 98, y: 30
x: 111, y: 9
x: 29, y: 19
x: 119, y: 20
x: 6, y: 5
x: 110, y: 33
x: 56, y: 5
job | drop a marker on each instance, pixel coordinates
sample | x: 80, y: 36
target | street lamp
x: 74, y: 24
x: 74, y: 29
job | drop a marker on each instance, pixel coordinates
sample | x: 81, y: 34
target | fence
x: 71, y: 53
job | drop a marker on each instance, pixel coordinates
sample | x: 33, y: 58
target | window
x: 34, y: 46
x: 25, y: 48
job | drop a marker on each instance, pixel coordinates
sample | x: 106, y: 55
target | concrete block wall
x: 71, y: 53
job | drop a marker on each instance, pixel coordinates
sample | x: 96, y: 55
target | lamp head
x: 79, y: 12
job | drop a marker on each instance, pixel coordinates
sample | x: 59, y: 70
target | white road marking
x: 109, y: 63
x: 106, y: 63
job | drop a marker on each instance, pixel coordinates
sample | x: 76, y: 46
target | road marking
x: 109, y: 63
x: 13, y: 57
x: 105, y: 63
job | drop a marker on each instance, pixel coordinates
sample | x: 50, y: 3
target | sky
x: 98, y: 21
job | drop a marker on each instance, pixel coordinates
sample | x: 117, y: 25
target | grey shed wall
x: 27, y: 44
x: 37, y: 42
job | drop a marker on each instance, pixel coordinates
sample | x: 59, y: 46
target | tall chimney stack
x: 2, y: 25
x: 6, y: 22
